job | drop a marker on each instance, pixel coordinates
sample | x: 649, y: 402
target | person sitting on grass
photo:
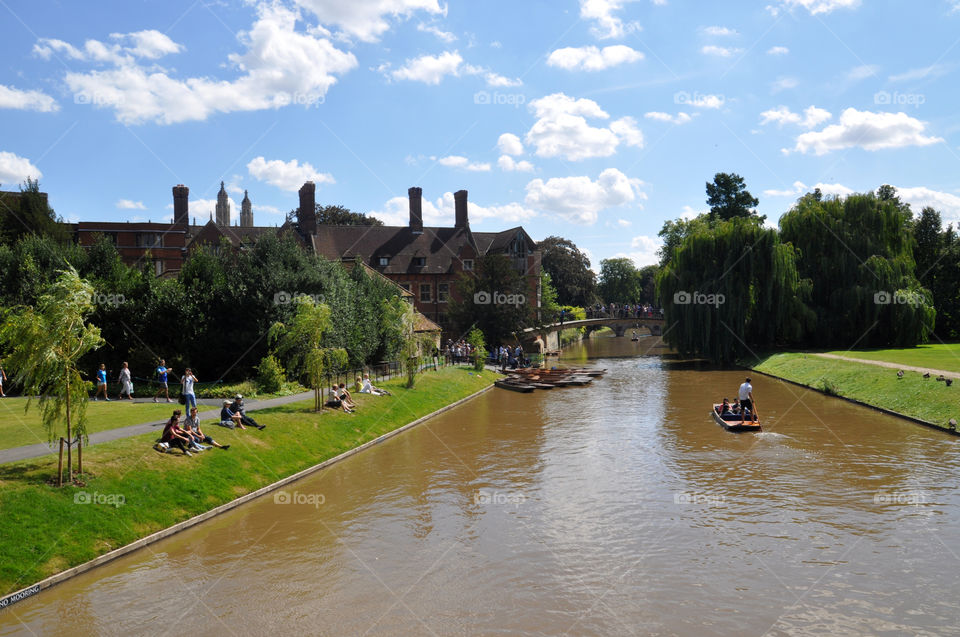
x: 368, y: 388
x: 174, y: 436
x: 332, y: 400
x: 228, y: 418
x: 346, y: 397
x: 337, y: 399
x: 192, y: 427
x: 237, y: 408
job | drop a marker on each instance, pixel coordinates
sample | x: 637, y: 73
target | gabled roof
x: 211, y: 232
x: 439, y: 247
x: 497, y: 242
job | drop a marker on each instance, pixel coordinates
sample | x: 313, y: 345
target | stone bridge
x: 548, y: 337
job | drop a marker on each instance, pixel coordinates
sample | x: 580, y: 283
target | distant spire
x: 223, y: 207
x: 246, y: 211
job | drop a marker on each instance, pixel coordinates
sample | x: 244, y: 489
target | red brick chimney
x: 460, y: 205
x: 181, y: 206
x: 307, y: 213
x: 416, y: 210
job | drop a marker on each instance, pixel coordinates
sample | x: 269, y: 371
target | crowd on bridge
x: 623, y: 311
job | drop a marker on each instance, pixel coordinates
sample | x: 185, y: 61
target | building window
x: 443, y: 291
x: 419, y: 261
x: 158, y: 267
x: 405, y: 286
x: 384, y: 261
x: 426, y: 292
x: 149, y: 240
x: 468, y: 264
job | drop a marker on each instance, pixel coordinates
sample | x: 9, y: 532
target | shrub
x: 270, y: 375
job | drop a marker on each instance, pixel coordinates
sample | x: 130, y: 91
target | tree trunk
x: 69, y: 437
x: 60, y: 465
x: 79, y: 457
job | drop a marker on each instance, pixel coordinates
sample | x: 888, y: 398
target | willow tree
x: 858, y: 253
x: 44, y: 344
x: 730, y: 289
x: 299, y: 343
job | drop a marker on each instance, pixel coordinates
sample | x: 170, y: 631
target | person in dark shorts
x: 745, y: 394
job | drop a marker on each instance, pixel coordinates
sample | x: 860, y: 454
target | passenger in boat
x: 745, y: 394
x: 736, y: 407
x: 725, y: 407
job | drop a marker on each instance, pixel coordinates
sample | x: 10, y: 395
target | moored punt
x: 543, y: 385
x: 514, y: 386
x: 735, y: 425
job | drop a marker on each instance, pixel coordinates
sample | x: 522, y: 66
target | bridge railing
x: 624, y: 313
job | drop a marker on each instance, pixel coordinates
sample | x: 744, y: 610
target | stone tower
x: 246, y: 211
x: 223, y: 207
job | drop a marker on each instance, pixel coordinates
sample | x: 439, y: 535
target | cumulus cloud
x: 719, y: 31
x: 366, y: 20
x: 26, y: 100
x: 441, y: 212
x: 561, y: 129
x: 124, y: 49
x: 458, y: 161
x: 590, y: 58
x: 432, y: 69
x: 778, y: 50
x: 509, y: 164
x: 719, y: 51
x: 286, y: 175
x: 644, y: 250
x: 812, y: 116
x: 867, y: 130
x: 920, y: 197
x: 15, y: 169
x: 606, y: 24
x: 281, y: 66
x: 446, y: 36
x: 127, y: 204
x: 815, y: 7
x: 799, y: 188
x: 510, y: 144
x: 580, y: 199
x: 679, y: 118
x: 699, y: 100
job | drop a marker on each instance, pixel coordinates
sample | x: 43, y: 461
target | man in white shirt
x: 745, y: 394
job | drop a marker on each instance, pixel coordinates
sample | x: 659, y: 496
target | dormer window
x: 468, y: 264
x: 419, y: 261
x: 384, y: 261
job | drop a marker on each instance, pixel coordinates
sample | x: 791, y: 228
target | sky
x: 593, y: 120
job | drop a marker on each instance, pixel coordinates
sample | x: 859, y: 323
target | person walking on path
x: 187, y: 381
x: 162, y: 372
x: 102, y: 383
x: 126, y: 383
x: 745, y: 394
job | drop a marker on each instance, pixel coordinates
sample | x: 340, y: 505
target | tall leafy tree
x: 29, y: 214
x: 495, y: 299
x: 44, y: 344
x: 675, y: 231
x: 569, y: 270
x: 728, y: 197
x: 619, y: 281
x: 937, y: 255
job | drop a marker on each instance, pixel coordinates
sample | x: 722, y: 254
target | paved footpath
x: 42, y: 449
x: 906, y: 368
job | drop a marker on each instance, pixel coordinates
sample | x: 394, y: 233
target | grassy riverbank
x: 913, y: 395
x: 944, y: 356
x: 132, y: 491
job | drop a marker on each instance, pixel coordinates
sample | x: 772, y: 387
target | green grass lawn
x: 45, y: 531
x: 945, y: 356
x: 913, y: 395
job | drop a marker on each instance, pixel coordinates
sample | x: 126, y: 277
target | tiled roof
x: 439, y: 247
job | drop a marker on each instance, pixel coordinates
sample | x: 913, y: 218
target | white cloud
x: 816, y: 7
x: 149, y: 44
x: 679, y: 118
x: 688, y: 213
x: 799, y: 188
x: 429, y: 69
x: 441, y: 212
x: 15, y: 169
x: 862, y: 72
x: 920, y: 197
x: 509, y: 144
x: 446, y: 36
x: 931, y: 72
x: 783, y: 84
x: 127, y: 204
x: 366, y: 19
x: 286, y: 175
x: 26, y: 100
x: 623, y: 223
x: 457, y: 161
x: 719, y: 51
x: 580, y: 199
x: 781, y: 115
x: 699, y: 100
x: 643, y: 250
x: 562, y: 129
x: 778, y: 50
x: 126, y: 47
x: 607, y: 25
x: 719, y: 31
x: 508, y: 164
x: 867, y: 130
x: 280, y: 66
x: 203, y: 209
x: 590, y: 58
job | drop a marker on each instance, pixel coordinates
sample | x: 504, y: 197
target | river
x: 616, y: 509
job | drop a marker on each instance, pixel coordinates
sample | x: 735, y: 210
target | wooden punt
x: 514, y: 386
x: 735, y: 425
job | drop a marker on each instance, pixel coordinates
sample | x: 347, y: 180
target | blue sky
x: 595, y: 120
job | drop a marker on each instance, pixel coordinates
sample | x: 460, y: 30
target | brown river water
x: 616, y: 509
